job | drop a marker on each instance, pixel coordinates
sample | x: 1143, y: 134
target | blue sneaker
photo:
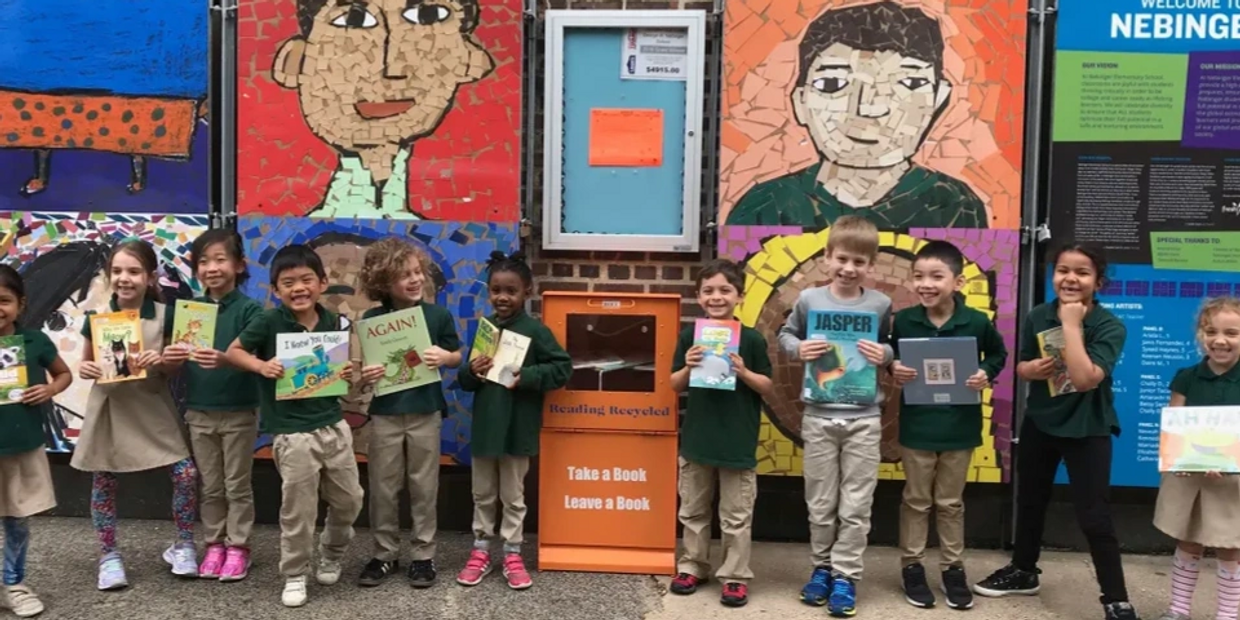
x: 843, y: 601
x: 819, y: 587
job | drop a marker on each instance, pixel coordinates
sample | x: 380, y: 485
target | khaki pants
x: 501, y: 479
x: 938, y: 479
x: 404, y: 453
x: 223, y: 443
x: 841, y: 472
x: 318, y: 462
x: 737, y: 490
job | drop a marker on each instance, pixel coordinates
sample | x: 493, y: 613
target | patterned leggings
x: 184, y: 504
x: 16, y: 541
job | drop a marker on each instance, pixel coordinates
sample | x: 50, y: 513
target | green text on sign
x: 1201, y: 251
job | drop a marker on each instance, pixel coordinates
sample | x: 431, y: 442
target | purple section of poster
x: 1212, y: 101
x: 92, y: 181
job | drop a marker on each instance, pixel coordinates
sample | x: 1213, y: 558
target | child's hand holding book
x: 147, y: 359
x: 902, y: 374
x: 872, y: 352
x: 207, y: 359
x: 811, y: 350
x: 978, y: 382
x: 1040, y: 369
x: 694, y: 356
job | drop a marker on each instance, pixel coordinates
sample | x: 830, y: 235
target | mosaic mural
x: 458, y: 252
x: 380, y: 109
x: 98, y: 115
x: 66, y: 255
x: 907, y: 113
x: 781, y: 261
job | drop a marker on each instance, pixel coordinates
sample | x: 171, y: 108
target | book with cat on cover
x: 719, y: 339
x: 13, y: 377
x: 508, y: 358
x: 396, y: 341
x: 117, y: 339
x: 1199, y: 440
x: 314, y: 364
x: 842, y: 375
x: 193, y: 324
x: 1051, y: 344
x: 486, y: 339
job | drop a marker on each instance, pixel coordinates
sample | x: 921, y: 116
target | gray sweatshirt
x: 793, y: 333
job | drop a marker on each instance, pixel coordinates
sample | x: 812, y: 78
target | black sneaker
x: 1120, y: 611
x: 956, y: 588
x: 376, y: 571
x: 1009, y: 581
x: 916, y: 590
x: 422, y: 573
x: 734, y: 594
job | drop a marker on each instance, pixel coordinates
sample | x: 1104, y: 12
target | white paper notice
x: 652, y: 54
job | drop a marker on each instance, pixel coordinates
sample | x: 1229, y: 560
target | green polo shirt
x: 720, y: 428
x: 940, y: 428
x: 1202, y: 388
x: 1080, y: 414
x: 922, y: 199
x: 225, y: 388
x: 283, y: 417
x: 21, y: 426
x: 146, y: 313
x: 427, y: 398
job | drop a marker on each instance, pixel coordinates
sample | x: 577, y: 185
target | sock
x: 1228, y: 590
x: 1184, y: 573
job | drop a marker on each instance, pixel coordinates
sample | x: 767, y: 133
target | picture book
x: 314, y: 364
x: 943, y: 366
x: 396, y: 341
x: 193, y: 324
x: 508, y: 358
x: 719, y: 338
x: 117, y: 338
x: 485, y: 340
x: 1051, y: 343
x: 13, y: 377
x: 1199, y: 440
x: 842, y: 375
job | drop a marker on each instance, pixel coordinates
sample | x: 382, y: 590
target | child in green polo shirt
x: 937, y: 441
x: 1073, y: 428
x: 25, y: 478
x: 404, y: 426
x: 719, y: 443
x: 1203, y: 510
x: 312, y: 441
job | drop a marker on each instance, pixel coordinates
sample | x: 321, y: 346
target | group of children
x: 134, y: 426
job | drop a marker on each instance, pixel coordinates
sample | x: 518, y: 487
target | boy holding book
x: 312, y: 441
x: 719, y: 440
x: 841, y: 439
x: 937, y: 441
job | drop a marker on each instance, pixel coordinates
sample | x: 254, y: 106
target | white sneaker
x: 328, y: 573
x: 21, y: 600
x: 294, y: 592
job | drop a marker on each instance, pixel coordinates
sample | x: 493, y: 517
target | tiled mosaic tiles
x: 380, y: 109
x: 782, y: 261
x: 62, y: 257
x: 908, y: 113
x: 459, y: 252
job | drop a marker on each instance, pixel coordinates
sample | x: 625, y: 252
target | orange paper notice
x: 622, y: 137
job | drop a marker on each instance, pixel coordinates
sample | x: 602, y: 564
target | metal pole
x: 227, y: 92
x: 531, y: 213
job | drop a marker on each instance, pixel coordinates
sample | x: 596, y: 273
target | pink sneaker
x: 478, y: 566
x: 514, y: 571
x: 212, y: 562
x: 236, y: 564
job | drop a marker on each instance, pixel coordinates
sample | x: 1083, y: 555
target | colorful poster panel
x: 63, y: 258
x: 457, y: 281
x: 103, y: 106
x: 380, y: 109
x: 781, y: 261
x: 908, y: 113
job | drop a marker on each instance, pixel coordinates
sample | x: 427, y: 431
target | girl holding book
x: 1202, y: 510
x: 25, y: 478
x: 405, y: 425
x: 1072, y: 425
x: 507, y: 420
x: 131, y: 423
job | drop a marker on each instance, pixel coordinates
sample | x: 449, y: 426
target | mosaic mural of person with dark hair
x: 373, y: 77
x: 870, y: 88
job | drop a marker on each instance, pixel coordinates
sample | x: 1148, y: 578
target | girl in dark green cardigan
x: 507, y: 421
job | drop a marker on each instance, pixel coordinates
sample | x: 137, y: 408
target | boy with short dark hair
x: 841, y: 441
x: 937, y: 441
x: 312, y: 441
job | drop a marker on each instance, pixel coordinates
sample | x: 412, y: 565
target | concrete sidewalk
x: 62, y: 571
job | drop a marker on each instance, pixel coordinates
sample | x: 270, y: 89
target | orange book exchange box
x: 607, y: 471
